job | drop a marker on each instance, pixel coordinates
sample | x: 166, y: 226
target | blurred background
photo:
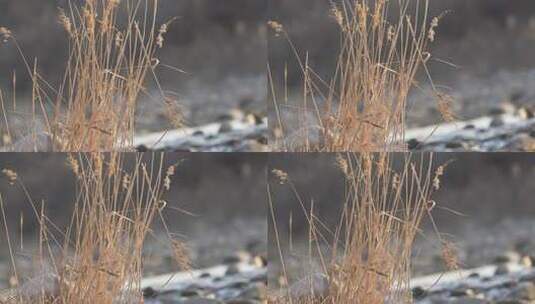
x: 485, y: 207
x: 488, y: 46
x: 221, y: 47
x: 222, y: 198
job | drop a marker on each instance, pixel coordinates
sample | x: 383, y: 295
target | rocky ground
x: 506, y: 128
x: 236, y: 132
x: 241, y: 279
x: 230, y: 266
x: 511, y: 280
x: 492, y: 125
x: 496, y: 265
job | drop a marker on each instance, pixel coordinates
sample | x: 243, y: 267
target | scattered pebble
x: 511, y: 282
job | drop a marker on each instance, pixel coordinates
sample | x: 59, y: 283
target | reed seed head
x: 5, y: 34
x: 450, y: 255
x: 276, y: 27
x: 10, y: 175
x: 65, y: 21
x: 281, y: 175
x: 445, y: 106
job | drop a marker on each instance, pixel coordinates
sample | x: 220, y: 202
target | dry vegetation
x: 370, y: 259
x: 364, y: 106
x: 109, y: 61
x: 98, y: 259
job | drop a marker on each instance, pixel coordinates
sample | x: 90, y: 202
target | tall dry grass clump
x: 364, y: 106
x: 371, y: 248
x: 100, y: 259
x: 113, y: 45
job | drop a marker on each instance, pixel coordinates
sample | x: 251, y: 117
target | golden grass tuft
x: 363, y: 107
x: 100, y: 258
x: 371, y: 248
x: 113, y: 47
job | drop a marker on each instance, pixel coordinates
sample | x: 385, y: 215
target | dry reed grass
x: 384, y: 44
x: 98, y: 259
x: 371, y: 248
x: 93, y: 110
